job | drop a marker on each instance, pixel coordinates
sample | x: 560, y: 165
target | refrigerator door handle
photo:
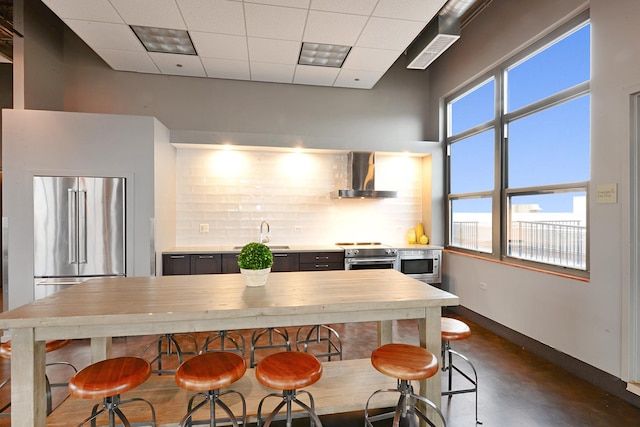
x: 72, y: 229
x: 82, y: 226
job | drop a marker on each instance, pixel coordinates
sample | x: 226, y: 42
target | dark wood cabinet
x: 225, y: 263
x: 282, y: 261
x: 230, y: 263
x: 318, y: 261
x: 173, y: 264
x: 285, y: 261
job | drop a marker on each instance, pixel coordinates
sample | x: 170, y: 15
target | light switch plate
x: 204, y: 228
x: 607, y: 193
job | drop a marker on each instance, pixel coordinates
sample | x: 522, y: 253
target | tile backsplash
x: 233, y: 191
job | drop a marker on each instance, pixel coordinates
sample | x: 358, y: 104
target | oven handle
x: 370, y: 260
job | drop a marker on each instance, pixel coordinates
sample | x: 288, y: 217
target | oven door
x: 369, y: 263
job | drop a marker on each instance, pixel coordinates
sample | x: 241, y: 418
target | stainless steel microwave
x: 421, y: 264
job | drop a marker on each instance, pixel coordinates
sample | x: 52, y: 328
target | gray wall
x: 394, y: 110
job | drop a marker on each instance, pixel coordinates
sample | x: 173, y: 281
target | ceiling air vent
x: 439, y: 34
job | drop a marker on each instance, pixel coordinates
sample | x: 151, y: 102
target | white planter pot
x: 255, y: 278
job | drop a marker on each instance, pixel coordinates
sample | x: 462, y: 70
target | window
x: 518, y: 145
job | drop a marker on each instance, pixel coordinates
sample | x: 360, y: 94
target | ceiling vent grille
x: 439, y: 34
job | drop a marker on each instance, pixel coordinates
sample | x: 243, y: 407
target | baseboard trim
x: 607, y: 382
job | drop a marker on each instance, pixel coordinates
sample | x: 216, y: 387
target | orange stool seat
x: 406, y: 363
x: 456, y: 330
x: 289, y: 371
x: 207, y: 373
x: 5, y: 352
x: 108, y: 379
x: 49, y: 346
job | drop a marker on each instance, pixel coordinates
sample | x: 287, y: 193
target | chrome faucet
x: 264, y: 239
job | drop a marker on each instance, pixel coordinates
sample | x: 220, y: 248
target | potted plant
x: 255, y: 261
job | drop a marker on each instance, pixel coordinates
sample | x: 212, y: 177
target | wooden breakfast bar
x: 103, y: 308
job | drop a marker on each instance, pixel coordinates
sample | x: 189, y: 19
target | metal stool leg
x: 172, y: 348
x: 315, y: 335
x: 406, y: 408
x: 270, y: 333
x: 289, y: 397
x: 212, y: 397
x: 236, y: 343
x: 448, y: 366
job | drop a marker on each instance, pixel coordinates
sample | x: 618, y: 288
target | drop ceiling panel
x: 151, y: 13
x: 318, y: 76
x: 274, y: 22
x: 105, y: 35
x: 122, y: 60
x: 274, y: 51
x: 178, y: 65
x: 276, y: 73
x: 214, y: 16
x: 253, y: 39
x: 361, y: 7
x: 220, y: 46
x: 412, y: 10
x: 226, y: 69
x: 391, y: 34
x: 364, y: 58
x: 333, y: 28
x: 89, y: 10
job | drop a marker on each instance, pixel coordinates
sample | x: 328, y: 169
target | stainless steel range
x: 368, y: 255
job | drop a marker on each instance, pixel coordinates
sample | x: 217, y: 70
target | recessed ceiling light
x: 164, y: 40
x: 323, y: 55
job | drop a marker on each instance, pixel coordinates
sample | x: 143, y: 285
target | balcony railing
x: 560, y: 243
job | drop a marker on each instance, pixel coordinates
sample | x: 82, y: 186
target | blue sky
x: 548, y: 147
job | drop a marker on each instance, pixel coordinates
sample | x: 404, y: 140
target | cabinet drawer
x: 322, y: 266
x: 176, y: 264
x: 206, y: 264
x: 322, y: 257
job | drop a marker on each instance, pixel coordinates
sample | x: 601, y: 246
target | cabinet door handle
x: 322, y: 265
x: 177, y: 256
x: 205, y: 256
x: 281, y: 255
x: 318, y: 258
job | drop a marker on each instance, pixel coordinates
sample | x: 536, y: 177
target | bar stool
x: 289, y: 371
x: 5, y: 352
x: 314, y: 337
x: 405, y: 363
x: 454, y: 330
x: 235, y: 341
x: 107, y: 379
x: 207, y: 373
x: 272, y: 334
x: 171, y: 344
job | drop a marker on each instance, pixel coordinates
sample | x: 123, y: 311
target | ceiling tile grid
x: 253, y: 39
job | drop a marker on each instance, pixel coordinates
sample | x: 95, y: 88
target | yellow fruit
x: 419, y: 230
x: 411, y: 236
x: 424, y: 240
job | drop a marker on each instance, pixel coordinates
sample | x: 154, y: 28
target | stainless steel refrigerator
x: 79, y: 230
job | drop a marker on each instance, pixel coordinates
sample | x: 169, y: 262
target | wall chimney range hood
x: 361, y: 177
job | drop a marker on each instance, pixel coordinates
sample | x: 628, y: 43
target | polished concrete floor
x: 517, y: 389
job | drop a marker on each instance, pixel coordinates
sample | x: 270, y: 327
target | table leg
x: 28, y: 394
x: 431, y: 339
x: 385, y: 332
x: 100, y: 348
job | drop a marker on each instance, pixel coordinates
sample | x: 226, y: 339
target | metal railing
x: 560, y: 242
x: 464, y: 234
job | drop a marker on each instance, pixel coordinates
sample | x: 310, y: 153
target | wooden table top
x: 221, y: 296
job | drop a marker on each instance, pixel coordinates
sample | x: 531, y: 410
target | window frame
x: 501, y: 194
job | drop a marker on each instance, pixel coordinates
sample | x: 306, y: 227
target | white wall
x: 232, y: 191
x: 67, y: 144
x: 585, y: 320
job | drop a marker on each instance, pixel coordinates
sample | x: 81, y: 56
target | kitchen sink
x: 276, y: 247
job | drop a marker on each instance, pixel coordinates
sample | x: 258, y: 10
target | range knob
x: 391, y: 251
